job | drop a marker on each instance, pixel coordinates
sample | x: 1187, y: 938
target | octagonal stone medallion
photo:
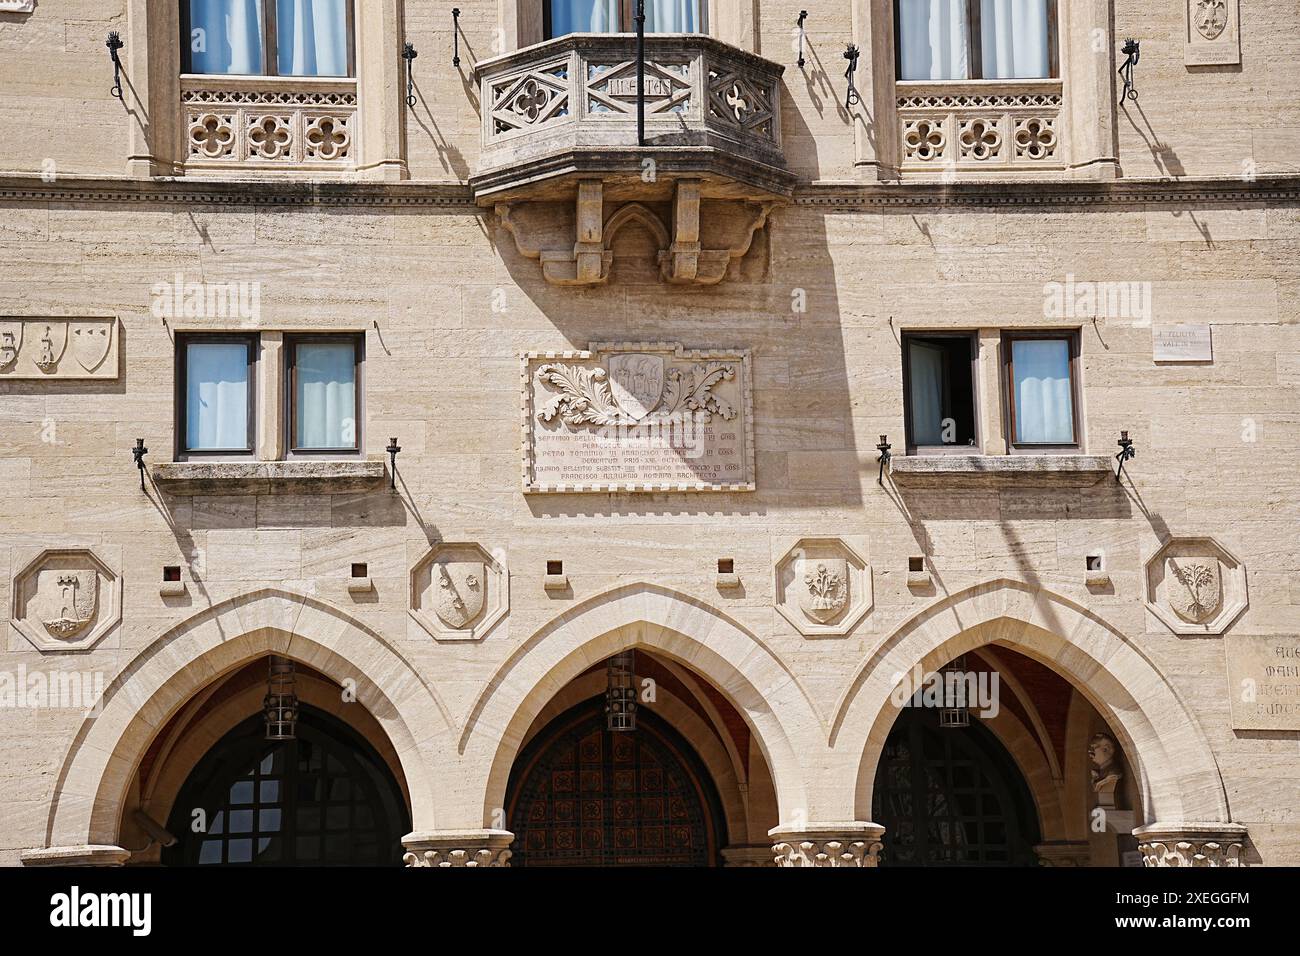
x: 1195, y: 586
x: 66, y: 599
x: 459, y: 591
x: 823, y: 587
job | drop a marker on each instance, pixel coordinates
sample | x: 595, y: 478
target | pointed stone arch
x: 1178, y: 776
x: 682, y: 629
x: 636, y: 212
x: 94, y: 780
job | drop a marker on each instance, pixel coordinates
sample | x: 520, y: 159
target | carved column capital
x: 86, y: 854
x: 1064, y: 853
x: 1191, y: 844
x: 828, y: 844
x: 444, y: 848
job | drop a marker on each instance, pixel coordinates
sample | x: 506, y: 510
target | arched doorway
x: 325, y: 798
x: 951, y: 796
x: 580, y: 795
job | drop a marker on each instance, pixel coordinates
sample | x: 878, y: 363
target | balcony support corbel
x: 589, y: 261
x: 686, y: 261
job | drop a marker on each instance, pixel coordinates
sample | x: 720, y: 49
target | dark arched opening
x: 580, y: 795
x: 951, y: 796
x: 325, y: 798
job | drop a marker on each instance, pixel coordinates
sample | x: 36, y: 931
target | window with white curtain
x: 324, y: 393
x: 976, y: 39
x: 1043, y: 383
x: 616, y: 16
x: 939, y: 388
x: 215, y: 387
x: 268, y: 37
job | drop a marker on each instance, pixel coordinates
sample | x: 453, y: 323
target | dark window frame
x: 626, y: 24
x: 975, y: 46
x: 183, y: 341
x: 270, y: 44
x: 1073, y: 338
x: 291, y: 343
x: 954, y: 449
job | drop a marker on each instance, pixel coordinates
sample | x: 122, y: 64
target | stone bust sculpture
x: 1105, y: 770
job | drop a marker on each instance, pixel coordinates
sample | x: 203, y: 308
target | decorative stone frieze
x: 637, y: 416
x: 990, y: 126
x: 1195, y: 586
x: 1213, y: 33
x: 1191, y: 844
x: 66, y: 599
x: 38, y: 347
x: 83, y: 855
x: 831, y: 844
x: 458, y: 848
x: 253, y: 122
x: 823, y: 587
x: 459, y: 591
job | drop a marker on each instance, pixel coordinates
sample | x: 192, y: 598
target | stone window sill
x: 268, y: 477
x: 999, y: 471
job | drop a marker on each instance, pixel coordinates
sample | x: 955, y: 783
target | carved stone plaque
x: 63, y: 348
x: 1182, y: 343
x: 1213, y: 35
x: 637, y: 416
x: 66, y: 599
x: 1264, y: 681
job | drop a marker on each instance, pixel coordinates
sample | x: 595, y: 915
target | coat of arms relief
x: 1195, y: 586
x: 1213, y: 35
x: 459, y: 591
x: 823, y: 586
x: 633, y: 387
x: 66, y: 599
x: 65, y: 348
x: 1199, y: 588
x: 1211, y: 18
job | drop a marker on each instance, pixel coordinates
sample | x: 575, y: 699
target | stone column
x: 1191, y: 844
x: 86, y: 854
x: 828, y: 844
x: 748, y: 855
x: 1064, y: 853
x: 458, y: 848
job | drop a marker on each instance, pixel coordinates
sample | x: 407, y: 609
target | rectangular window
x: 939, y: 385
x: 215, y: 390
x: 616, y: 16
x: 268, y: 37
x: 1042, y: 379
x: 976, y: 39
x: 324, y: 393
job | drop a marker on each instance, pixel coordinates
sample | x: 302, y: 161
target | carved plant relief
x: 823, y: 586
x: 1195, y: 586
x: 637, y: 417
x: 827, y: 584
x: 1200, y: 590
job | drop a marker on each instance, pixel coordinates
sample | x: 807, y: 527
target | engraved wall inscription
x: 1182, y: 343
x: 63, y: 347
x: 1264, y: 681
x: 637, y: 416
x: 1213, y: 34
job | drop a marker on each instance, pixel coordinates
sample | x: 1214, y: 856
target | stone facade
x: 1187, y: 197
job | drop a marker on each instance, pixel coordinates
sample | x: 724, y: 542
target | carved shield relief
x: 1211, y: 18
x: 1195, y: 587
x: 11, y: 341
x: 637, y: 381
x: 823, y: 587
x: 66, y: 600
x: 90, y: 343
x: 458, y: 589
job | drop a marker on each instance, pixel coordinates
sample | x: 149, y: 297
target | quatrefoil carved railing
x: 254, y: 122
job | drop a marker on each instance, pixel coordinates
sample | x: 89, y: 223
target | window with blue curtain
x: 325, y: 394
x: 615, y: 16
x: 1042, y: 391
x: 217, y: 396
x: 976, y: 39
x: 233, y: 37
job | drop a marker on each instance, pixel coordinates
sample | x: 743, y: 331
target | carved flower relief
x: 1211, y: 18
x: 328, y: 138
x: 924, y: 139
x: 1035, y: 139
x: 827, y: 584
x: 584, y: 396
x: 1195, y: 588
x: 212, y: 136
x: 269, y: 137
x: 530, y: 101
x: 980, y: 139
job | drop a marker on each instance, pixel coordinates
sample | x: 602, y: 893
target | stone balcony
x: 560, y: 127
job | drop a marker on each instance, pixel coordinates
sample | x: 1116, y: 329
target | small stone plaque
x: 637, y: 416
x: 1182, y: 343
x: 58, y: 347
x: 1213, y: 34
x: 1264, y: 681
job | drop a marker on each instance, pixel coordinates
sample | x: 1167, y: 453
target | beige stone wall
x: 448, y: 305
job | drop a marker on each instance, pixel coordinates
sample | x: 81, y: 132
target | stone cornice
x: 1266, y: 190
